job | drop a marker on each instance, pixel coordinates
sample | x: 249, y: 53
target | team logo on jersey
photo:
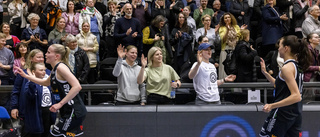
x: 69, y: 134
x: 213, y: 77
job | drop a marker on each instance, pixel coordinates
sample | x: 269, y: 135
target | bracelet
x: 224, y: 80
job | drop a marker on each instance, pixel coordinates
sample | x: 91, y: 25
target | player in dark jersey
x: 67, y: 87
x: 285, y: 119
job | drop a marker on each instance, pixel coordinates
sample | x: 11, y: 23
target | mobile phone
x: 36, y: 35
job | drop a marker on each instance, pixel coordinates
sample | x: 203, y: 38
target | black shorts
x: 280, y: 127
x: 70, y: 127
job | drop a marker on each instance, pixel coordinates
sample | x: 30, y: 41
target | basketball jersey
x: 282, y: 91
x: 74, y: 107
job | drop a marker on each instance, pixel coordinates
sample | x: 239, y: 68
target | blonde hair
x: 2, y: 35
x: 34, y: 65
x: 58, y: 19
x: 63, y: 51
x: 30, y: 56
x: 151, y: 52
x: 244, y: 33
x: 205, y: 16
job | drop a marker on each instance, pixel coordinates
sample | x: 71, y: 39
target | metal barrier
x: 104, y: 87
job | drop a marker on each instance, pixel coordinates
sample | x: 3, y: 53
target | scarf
x: 33, y: 32
x: 72, y: 59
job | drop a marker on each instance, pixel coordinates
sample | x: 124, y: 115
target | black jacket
x: 82, y: 66
x: 245, y: 57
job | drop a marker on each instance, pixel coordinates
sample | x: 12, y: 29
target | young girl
x: 66, y: 85
x: 285, y: 113
x: 205, y: 78
x: 38, y: 118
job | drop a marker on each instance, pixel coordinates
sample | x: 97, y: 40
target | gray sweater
x: 128, y: 88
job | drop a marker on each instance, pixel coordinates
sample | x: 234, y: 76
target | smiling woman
x: 158, y: 78
x: 129, y: 92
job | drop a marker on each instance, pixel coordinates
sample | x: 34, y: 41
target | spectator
x: 161, y: 9
x: 88, y: 42
x: 285, y: 7
x: 34, y: 36
x: 160, y: 78
x: 241, y: 11
x: 92, y: 15
x: 1, y: 10
x: 201, y: 11
x: 21, y: 51
x: 190, y: 21
x: 256, y: 19
x: 38, y: 118
x: 36, y: 6
x: 217, y: 13
x: 300, y: 14
x: 311, y: 24
x: 176, y: 7
x: 18, y: 95
x: 78, y: 59
x: 6, y: 61
x: 245, y: 55
x: 140, y: 12
x: 229, y: 32
x: 61, y: 3
x: 17, y: 10
x: 311, y: 74
x: 192, y: 7
x: 181, y: 39
x: 271, y: 27
x: 129, y: 92
x: 205, y: 79
x: 154, y: 33
x: 127, y: 29
x: 72, y: 19
x: 58, y: 34
x: 100, y: 7
x: 206, y: 30
x: 109, y: 22
x: 213, y: 60
x: 79, y: 5
x: 273, y: 61
x: 11, y: 40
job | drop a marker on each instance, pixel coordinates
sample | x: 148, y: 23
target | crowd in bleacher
x: 111, y: 39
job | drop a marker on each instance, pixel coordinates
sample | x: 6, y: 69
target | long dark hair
x: 18, y: 54
x: 74, y: 9
x: 184, y: 27
x: 299, y: 48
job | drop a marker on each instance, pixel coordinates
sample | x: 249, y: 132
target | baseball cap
x: 204, y: 46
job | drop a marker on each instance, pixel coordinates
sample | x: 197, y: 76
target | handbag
x: 16, y: 20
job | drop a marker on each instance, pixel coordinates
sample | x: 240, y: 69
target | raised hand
x: 144, y: 61
x: 199, y: 57
x: 120, y: 51
x: 244, y: 26
x: 263, y: 66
